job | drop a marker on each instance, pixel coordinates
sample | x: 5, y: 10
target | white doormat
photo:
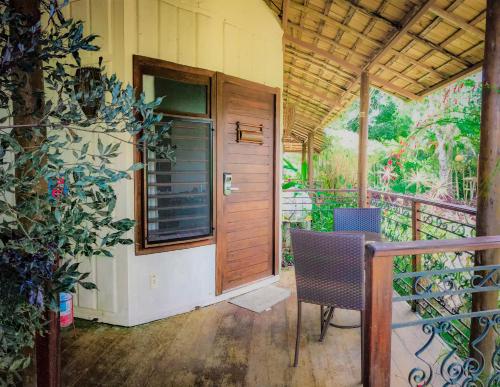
x: 261, y: 299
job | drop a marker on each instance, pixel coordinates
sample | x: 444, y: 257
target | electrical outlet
x: 153, y: 281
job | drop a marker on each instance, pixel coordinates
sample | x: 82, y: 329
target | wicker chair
x: 357, y: 219
x: 329, y: 271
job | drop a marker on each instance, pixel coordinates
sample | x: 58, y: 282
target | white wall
x: 237, y: 37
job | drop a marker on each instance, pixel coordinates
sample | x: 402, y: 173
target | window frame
x: 156, y: 67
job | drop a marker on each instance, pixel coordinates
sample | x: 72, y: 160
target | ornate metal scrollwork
x: 418, y: 376
x: 456, y: 370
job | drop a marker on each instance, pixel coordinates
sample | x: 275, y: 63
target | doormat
x: 261, y: 299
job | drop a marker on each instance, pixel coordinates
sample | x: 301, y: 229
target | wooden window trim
x: 143, y: 65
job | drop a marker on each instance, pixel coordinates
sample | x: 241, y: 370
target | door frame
x: 221, y: 79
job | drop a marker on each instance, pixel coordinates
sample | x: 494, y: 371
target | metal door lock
x: 228, y: 188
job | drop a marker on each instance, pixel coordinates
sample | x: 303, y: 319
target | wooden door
x: 248, y: 149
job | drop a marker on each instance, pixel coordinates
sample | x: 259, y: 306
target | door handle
x: 228, y: 184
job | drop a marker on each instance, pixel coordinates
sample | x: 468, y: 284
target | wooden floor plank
x: 225, y: 345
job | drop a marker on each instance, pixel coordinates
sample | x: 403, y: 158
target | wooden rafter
x: 459, y: 33
x: 284, y: 14
x: 288, y: 119
x: 447, y: 79
x: 305, y: 107
x: 352, y: 68
x: 409, y: 21
x: 456, y: 77
x: 335, y: 23
x: 364, y: 57
x: 319, y: 62
x: 458, y: 22
x: 315, y: 76
x: 321, y: 105
x: 428, y: 6
x: 317, y: 91
x: 430, y: 53
x: 325, y: 51
x: 342, y: 48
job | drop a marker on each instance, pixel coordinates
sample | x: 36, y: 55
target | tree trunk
x: 444, y: 162
x: 28, y: 108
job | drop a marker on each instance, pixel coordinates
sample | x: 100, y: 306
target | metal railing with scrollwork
x: 413, y: 218
x: 437, y: 361
x: 405, y: 218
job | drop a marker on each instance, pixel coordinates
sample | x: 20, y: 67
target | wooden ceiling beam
x: 337, y: 45
x: 457, y: 21
x: 312, y: 84
x: 323, y: 96
x: 416, y: 62
x: 423, y: 58
x: 305, y: 107
x: 288, y: 118
x: 412, y: 18
x: 321, y: 105
x: 304, y: 128
x: 440, y: 49
x: 325, y: 54
x: 370, y: 14
x: 306, y: 110
x: 364, y: 57
x: 336, y: 23
x: 325, y: 64
x: 354, y: 69
x: 401, y: 30
x: 454, y: 78
x: 315, y: 76
x: 459, y: 33
x: 302, y: 104
x: 284, y: 15
x: 301, y: 120
x: 408, y: 22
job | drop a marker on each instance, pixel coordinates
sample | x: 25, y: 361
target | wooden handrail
x: 385, y: 249
x: 436, y: 203
x: 377, y: 327
x: 411, y: 198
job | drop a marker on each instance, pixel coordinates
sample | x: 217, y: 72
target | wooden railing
x: 433, y: 239
x: 379, y: 305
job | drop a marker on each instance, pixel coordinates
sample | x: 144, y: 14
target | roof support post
x: 304, y: 154
x: 364, y: 107
x: 488, y: 201
x: 310, y: 164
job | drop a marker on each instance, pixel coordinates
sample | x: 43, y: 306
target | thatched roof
x: 409, y: 47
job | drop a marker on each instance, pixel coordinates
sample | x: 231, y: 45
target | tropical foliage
x: 431, y: 146
x: 58, y: 169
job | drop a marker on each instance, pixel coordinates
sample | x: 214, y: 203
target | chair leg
x: 363, y: 346
x: 326, y: 323
x: 322, y: 316
x: 297, y: 341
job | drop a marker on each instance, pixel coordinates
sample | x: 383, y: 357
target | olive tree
x: 61, y: 129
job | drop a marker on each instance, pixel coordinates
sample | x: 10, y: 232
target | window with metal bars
x: 179, y: 193
x: 176, y: 198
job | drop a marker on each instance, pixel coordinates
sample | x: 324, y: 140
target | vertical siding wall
x: 237, y: 37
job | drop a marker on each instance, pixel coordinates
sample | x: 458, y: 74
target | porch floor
x: 225, y: 345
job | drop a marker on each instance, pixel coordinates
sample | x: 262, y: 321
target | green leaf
x: 136, y: 167
x: 88, y: 285
x: 58, y: 215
